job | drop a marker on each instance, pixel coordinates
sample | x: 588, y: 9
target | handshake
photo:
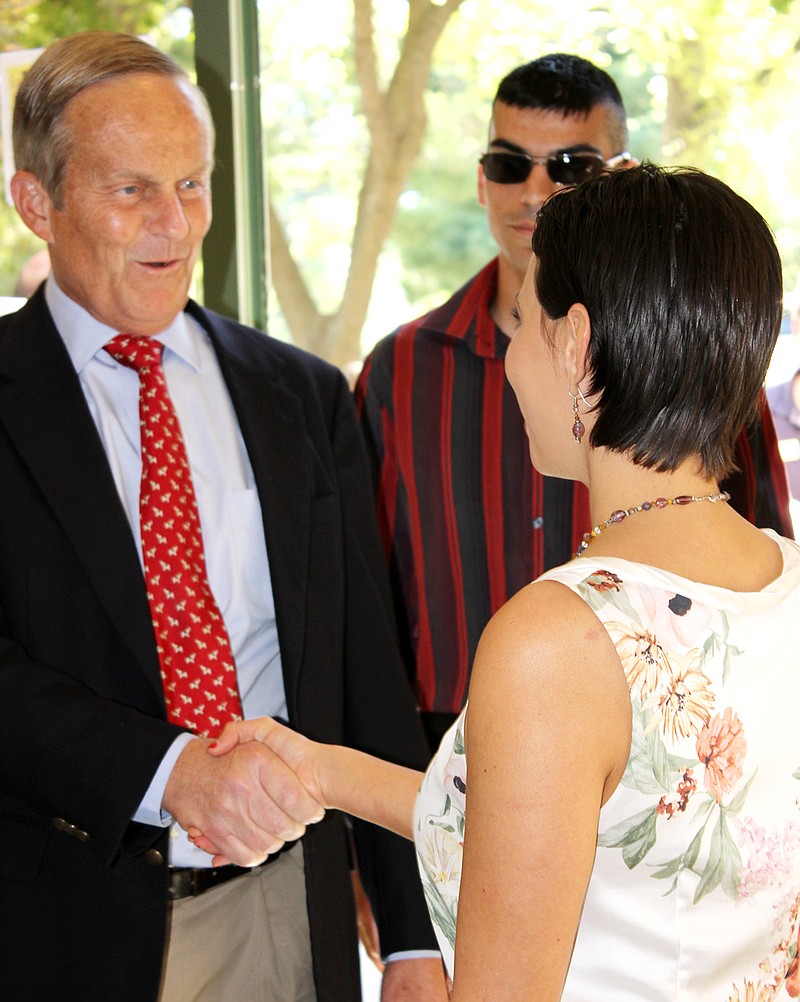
x: 243, y: 796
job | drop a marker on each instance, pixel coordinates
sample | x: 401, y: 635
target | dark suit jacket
x: 82, y: 720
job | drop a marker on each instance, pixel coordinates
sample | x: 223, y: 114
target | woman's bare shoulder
x: 542, y: 626
x: 546, y: 666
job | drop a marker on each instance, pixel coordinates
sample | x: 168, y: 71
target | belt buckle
x: 178, y: 883
x: 183, y: 883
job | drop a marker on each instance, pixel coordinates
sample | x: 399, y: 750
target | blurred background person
x: 466, y: 521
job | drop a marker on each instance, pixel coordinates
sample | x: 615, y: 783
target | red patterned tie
x: 197, y: 665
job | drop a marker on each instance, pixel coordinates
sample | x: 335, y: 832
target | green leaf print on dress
x: 442, y: 838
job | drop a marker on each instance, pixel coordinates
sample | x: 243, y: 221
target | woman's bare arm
x: 547, y: 736
x: 337, y: 777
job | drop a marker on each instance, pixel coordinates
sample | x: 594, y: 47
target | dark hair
x: 681, y: 279
x: 565, y: 83
x: 42, y: 142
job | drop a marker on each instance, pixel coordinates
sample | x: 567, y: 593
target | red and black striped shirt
x: 465, y: 518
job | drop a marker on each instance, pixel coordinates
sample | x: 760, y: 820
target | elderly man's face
x: 136, y: 200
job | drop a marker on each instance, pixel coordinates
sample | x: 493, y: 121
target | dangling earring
x: 577, y: 426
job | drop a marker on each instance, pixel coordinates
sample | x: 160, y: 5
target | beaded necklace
x: 622, y: 513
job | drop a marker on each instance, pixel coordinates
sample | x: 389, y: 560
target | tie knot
x: 135, y: 352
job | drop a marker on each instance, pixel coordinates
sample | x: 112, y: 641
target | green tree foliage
x: 364, y: 198
x: 32, y: 24
x: 369, y: 79
x: 724, y: 78
x: 706, y: 82
x: 29, y: 24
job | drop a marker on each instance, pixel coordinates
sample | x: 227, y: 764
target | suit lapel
x: 43, y: 410
x: 273, y: 426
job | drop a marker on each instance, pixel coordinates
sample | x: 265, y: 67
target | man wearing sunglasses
x: 466, y: 520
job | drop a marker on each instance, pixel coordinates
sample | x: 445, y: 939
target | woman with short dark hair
x: 629, y: 825
x: 682, y: 282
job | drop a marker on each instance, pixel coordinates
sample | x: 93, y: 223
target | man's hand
x: 335, y: 776
x: 247, y: 803
x: 302, y: 755
x: 418, y: 980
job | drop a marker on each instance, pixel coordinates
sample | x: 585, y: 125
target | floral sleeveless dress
x: 695, y: 891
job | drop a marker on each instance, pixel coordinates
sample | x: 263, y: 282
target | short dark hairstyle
x: 566, y: 83
x: 42, y: 141
x: 682, y: 282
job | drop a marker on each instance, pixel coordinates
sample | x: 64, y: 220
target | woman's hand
x: 298, y: 753
x: 301, y: 754
x: 334, y: 775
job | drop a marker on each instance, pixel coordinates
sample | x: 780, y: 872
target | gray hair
x: 42, y: 140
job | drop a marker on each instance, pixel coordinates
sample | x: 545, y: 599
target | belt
x: 190, y: 881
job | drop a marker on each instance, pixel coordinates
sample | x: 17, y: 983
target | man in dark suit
x: 101, y: 775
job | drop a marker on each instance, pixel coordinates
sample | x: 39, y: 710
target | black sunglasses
x: 563, y: 167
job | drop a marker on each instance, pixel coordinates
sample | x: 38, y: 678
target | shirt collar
x: 467, y: 315
x: 85, y: 337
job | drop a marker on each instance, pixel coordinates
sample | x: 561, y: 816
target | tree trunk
x: 396, y: 120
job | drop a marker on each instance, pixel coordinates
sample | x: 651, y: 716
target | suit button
x: 153, y: 857
x: 70, y: 829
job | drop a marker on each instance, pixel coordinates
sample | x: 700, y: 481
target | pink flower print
x: 674, y: 619
x: 769, y: 857
x: 604, y: 581
x: 721, y: 747
x: 751, y: 835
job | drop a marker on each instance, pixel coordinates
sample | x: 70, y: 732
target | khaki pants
x: 244, y: 941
